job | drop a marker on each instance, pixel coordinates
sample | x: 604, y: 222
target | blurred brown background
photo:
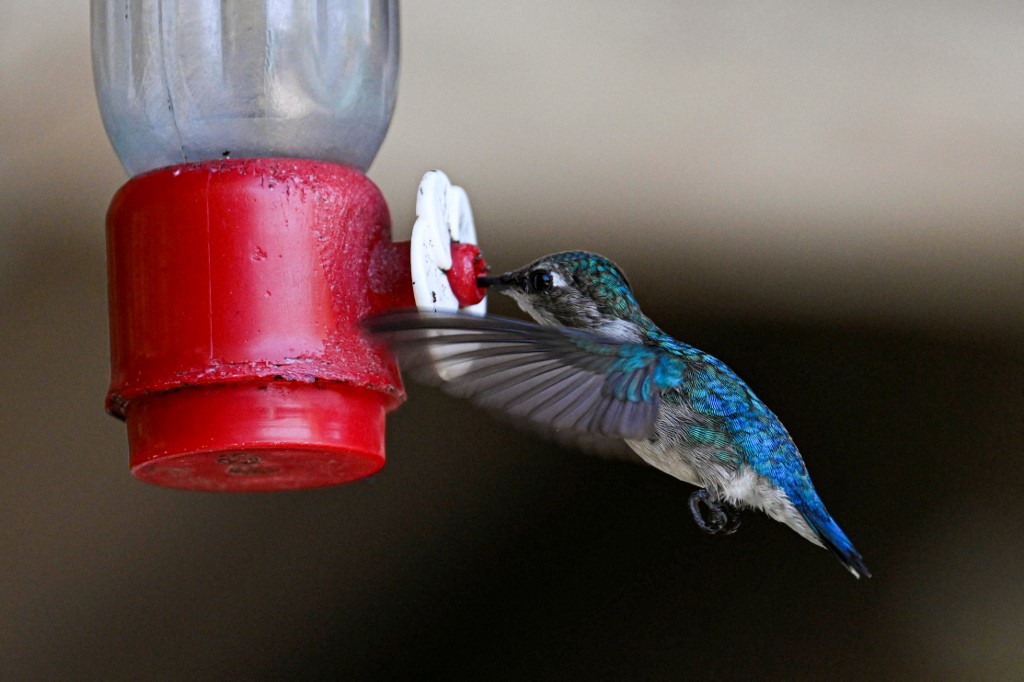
x: 828, y: 196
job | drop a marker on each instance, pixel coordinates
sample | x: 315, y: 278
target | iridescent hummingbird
x: 597, y: 373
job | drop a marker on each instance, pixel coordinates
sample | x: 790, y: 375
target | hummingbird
x: 596, y: 373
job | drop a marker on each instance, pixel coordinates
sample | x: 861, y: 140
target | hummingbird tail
x: 834, y: 539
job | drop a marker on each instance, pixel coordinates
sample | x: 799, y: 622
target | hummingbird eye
x: 540, y: 281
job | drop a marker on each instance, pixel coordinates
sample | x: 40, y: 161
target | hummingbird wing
x: 569, y: 384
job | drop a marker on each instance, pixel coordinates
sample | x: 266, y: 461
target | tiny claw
x: 733, y: 523
x: 712, y: 515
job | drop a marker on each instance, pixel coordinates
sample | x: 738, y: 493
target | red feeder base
x: 236, y: 291
x: 257, y: 436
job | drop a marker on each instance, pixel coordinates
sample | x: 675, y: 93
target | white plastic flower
x: 443, y: 216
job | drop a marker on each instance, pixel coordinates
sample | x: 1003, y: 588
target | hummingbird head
x: 573, y: 289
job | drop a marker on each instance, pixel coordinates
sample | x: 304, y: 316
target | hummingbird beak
x: 496, y: 283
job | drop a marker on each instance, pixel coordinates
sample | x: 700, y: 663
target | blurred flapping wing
x: 575, y: 386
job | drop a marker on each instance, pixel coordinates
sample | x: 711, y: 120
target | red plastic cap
x: 257, y: 436
x: 236, y: 291
x: 467, y: 265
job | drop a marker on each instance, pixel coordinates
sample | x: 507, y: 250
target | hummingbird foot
x: 712, y: 515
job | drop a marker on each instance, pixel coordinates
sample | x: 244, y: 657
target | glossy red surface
x: 236, y: 289
x: 257, y: 435
x: 467, y: 265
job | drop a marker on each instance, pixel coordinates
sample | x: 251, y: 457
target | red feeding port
x: 236, y: 290
x: 467, y: 265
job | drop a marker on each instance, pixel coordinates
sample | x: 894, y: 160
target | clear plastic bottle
x: 190, y: 80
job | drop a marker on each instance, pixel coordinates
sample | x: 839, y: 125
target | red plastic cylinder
x: 236, y: 289
x: 467, y: 265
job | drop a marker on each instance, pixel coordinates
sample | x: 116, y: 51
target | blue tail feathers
x: 835, y: 540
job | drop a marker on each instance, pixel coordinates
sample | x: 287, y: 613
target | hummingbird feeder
x: 248, y: 243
